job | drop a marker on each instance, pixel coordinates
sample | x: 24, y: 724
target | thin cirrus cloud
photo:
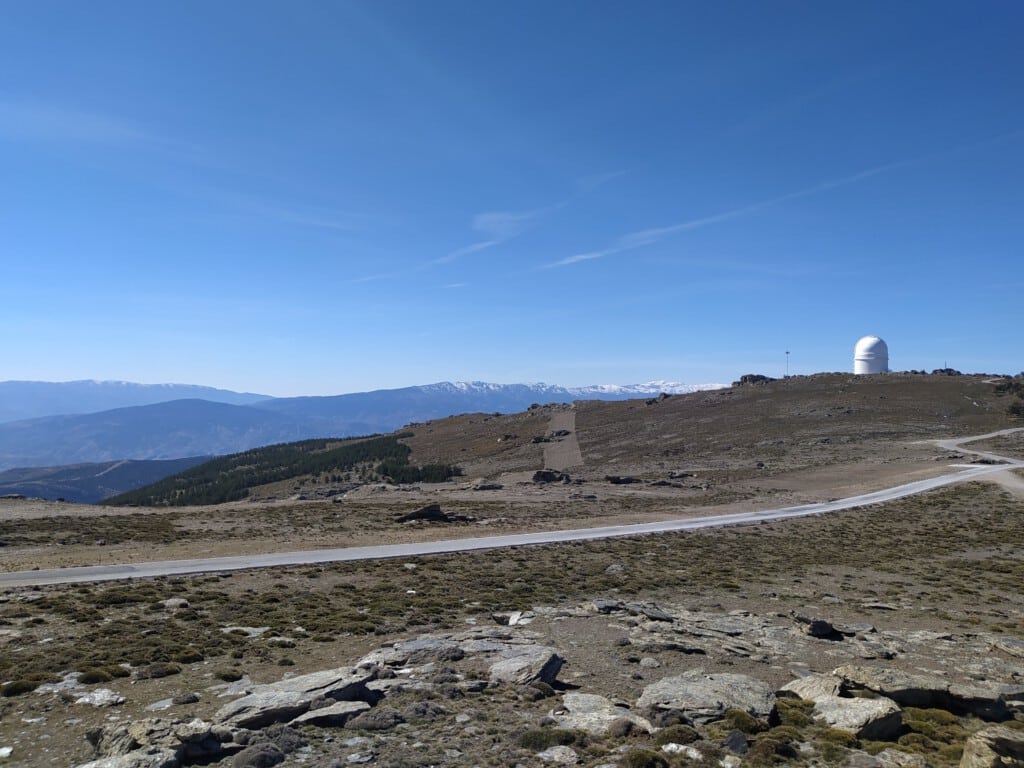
x: 643, y: 237
x: 468, y: 250
x: 299, y: 216
x: 499, y: 227
x: 502, y: 225
x: 43, y: 122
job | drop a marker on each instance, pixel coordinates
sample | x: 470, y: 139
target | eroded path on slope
x: 563, y: 452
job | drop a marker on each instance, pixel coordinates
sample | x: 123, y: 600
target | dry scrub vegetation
x: 949, y: 560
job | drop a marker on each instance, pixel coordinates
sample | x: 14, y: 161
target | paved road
x: 180, y: 567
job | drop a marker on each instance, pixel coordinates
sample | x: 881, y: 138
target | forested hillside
x: 230, y: 478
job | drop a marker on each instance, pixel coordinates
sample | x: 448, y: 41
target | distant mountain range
x: 32, y: 399
x: 148, y: 422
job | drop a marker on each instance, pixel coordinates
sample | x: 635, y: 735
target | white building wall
x: 871, y: 355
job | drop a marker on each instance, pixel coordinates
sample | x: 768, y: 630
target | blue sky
x: 326, y: 197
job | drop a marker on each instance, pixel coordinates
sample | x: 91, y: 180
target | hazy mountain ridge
x: 20, y: 400
x: 177, y: 429
x: 88, y: 483
x: 180, y: 428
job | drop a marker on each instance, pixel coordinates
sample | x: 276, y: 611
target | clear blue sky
x: 325, y: 197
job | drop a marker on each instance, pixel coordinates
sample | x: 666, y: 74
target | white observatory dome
x: 871, y: 355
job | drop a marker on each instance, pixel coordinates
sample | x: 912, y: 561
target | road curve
x: 964, y: 473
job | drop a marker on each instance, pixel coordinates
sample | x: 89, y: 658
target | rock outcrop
x: 878, y: 719
x: 994, y: 747
x: 406, y: 684
x: 702, y: 698
x: 538, y: 663
x: 284, y: 701
x: 596, y: 714
x: 919, y: 690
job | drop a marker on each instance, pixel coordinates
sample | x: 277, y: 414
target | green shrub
x: 228, y: 675
x: 19, y: 687
x: 539, y: 739
x: 676, y: 734
x: 158, y: 669
x: 743, y: 721
x: 775, y: 744
x: 838, y: 737
x: 94, y: 675
x: 795, y: 712
x: 643, y: 758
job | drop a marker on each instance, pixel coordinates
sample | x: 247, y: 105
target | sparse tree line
x: 230, y: 478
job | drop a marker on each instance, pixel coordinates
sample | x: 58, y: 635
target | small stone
x: 683, y: 749
x: 101, y: 697
x: 559, y: 756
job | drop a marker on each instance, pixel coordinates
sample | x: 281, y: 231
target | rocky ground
x: 885, y: 636
x: 431, y: 699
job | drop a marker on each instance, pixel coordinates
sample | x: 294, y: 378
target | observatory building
x: 871, y: 355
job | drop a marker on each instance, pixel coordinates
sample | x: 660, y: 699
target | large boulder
x: 159, y: 743
x: 594, y: 714
x: 927, y: 691
x: 282, y: 702
x: 534, y: 663
x: 332, y: 715
x: 814, y: 687
x: 873, y: 719
x: 701, y: 698
x: 187, y: 740
x: 994, y: 747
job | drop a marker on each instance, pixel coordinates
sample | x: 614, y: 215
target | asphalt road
x: 964, y: 472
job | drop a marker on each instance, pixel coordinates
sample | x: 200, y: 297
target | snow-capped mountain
x: 642, y: 390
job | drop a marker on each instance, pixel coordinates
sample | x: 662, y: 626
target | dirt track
x: 564, y: 452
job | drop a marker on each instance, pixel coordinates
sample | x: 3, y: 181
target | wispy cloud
x: 498, y: 227
x: 315, y: 217
x: 374, y: 278
x: 36, y: 121
x: 468, y: 250
x: 581, y: 257
x: 644, y: 237
x: 502, y: 225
